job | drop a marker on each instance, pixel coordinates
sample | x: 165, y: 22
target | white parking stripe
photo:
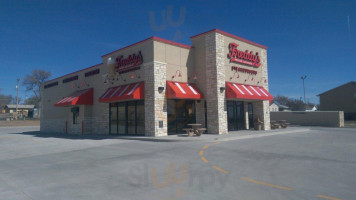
x: 247, y: 90
x: 255, y: 90
x: 181, y: 89
x: 238, y: 88
x: 133, y: 89
x: 192, y: 89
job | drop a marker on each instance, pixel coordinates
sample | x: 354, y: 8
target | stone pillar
x: 200, y: 113
x: 215, y: 78
x: 265, y: 104
x: 261, y: 109
x: 155, y: 101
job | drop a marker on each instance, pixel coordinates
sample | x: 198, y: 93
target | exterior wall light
x: 222, y: 89
x: 160, y: 89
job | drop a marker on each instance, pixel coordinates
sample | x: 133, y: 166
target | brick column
x: 155, y: 102
x: 200, y: 113
x: 265, y: 104
x: 215, y: 78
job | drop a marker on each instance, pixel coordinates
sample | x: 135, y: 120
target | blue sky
x: 313, y: 38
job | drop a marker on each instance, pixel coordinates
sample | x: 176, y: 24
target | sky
x: 312, y: 38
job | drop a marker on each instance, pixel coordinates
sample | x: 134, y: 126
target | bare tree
x: 34, y: 80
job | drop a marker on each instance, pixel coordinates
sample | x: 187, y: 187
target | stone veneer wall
x: 215, y: 78
x: 155, y: 102
x: 261, y: 108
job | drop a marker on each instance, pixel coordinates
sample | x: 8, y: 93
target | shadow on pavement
x: 97, y: 137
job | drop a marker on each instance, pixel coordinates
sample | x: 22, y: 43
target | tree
x: 293, y: 104
x: 34, y: 80
x: 32, y: 101
x: 5, y: 99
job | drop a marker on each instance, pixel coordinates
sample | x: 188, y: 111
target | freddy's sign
x: 244, y: 57
x: 129, y: 63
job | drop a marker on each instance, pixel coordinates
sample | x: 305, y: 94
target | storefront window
x: 180, y: 113
x: 130, y: 118
x: 75, y: 112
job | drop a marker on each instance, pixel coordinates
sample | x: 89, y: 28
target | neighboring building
x: 22, y: 110
x: 279, y: 108
x: 342, y: 98
x: 273, y: 107
x: 311, y: 108
x: 156, y: 87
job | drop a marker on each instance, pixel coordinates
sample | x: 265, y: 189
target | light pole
x: 17, y: 96
x: 303, y: 78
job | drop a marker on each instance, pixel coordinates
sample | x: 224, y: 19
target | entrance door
x: 235, y: 115
x: 180, y: 113
x: 127, y: 118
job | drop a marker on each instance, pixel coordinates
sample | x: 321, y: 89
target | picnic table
x: 194, y: 130
x: 279, y: 124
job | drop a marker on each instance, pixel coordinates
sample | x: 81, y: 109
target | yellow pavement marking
x: 219, y: 169
x: 201, y: 152
x: 267, y: 184
x: 326, y: 197
x: 216, y: 143
x: 206, y: 146
x: 204, y: 159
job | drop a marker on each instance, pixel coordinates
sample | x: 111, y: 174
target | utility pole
x: 304, y: 77
x: 17, y: 96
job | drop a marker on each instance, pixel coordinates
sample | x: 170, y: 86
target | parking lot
x: 293, y: 163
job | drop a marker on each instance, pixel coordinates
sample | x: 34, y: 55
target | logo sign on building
x: 129, y: 63
x: 245, y: 57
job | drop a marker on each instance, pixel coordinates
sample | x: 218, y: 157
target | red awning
x: 239, y: 91
x: 81, y: 97
x: 178, y: 90
x: 124, y: 92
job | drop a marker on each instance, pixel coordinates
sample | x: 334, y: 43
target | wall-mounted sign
x: 242, y: 70
x: 129, y: 63
x: 244, y: 57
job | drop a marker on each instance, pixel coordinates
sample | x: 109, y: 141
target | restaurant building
x: 156, y: 87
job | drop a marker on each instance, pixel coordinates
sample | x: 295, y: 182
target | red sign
x: 127, y: 64
x: 247, y: 71
x: 244, y: 57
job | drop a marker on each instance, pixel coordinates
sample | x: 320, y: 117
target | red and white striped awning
x: 179, y: 90
x: 81, y: 97
x: 124, y: 92
x: 240, y: 91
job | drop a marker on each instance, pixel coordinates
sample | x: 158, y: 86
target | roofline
x: 74, y: 72
x: 230, y: 35
x: 336, y: 88
x: 154, y: 38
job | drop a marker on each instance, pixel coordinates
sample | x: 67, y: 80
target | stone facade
x: 162, y: 61
x: 215, y: 79
x: 155, y: 100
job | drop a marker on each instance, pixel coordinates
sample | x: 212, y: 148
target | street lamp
x: 303, y: 78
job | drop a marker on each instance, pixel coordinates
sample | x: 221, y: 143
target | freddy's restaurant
x: 156, y: 87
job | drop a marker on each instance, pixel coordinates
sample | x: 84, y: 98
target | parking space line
x: 204, y: 159
x: 266, y: 184
x: 326, y: 197
x: 219, y: 169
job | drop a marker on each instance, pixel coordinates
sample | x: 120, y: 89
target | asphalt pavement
x: 293, y: 163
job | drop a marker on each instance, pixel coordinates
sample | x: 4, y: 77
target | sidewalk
x: 232, y: 135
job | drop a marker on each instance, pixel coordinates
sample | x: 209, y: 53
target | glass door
x: 235, y: 115
x: 113, y: 118
x: 180, y: 113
